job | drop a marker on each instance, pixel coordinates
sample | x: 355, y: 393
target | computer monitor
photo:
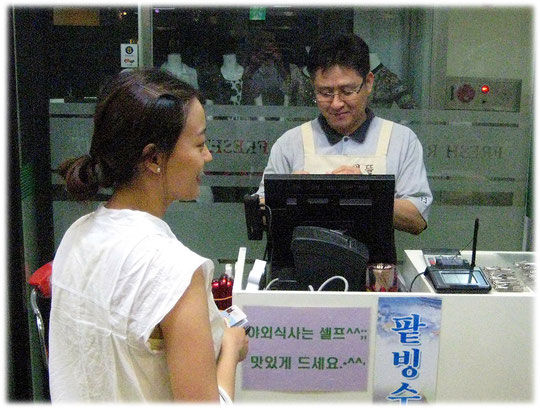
x: 360, y: 206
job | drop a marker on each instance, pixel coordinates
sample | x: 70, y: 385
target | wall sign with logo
x: 129, y: 56
x: 257, y: 13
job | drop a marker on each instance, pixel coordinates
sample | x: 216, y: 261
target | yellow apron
x: 372, y: 164
x: 321, y: 164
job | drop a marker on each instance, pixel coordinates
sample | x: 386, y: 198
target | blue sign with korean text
x: 407, y: 349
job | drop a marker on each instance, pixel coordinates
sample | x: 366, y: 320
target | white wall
x: 493, y: 42
x: 490, y: 42
x: 385, y: 32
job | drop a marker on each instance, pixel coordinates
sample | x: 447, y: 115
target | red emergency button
x: 465, y: 93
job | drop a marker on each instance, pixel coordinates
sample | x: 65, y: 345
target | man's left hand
x: 346, y: 169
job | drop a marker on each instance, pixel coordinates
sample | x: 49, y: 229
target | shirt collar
x: 359, y: 135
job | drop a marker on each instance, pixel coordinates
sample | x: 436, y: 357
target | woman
x: 132, y: 316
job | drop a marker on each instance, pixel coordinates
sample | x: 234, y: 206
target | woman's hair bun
x: 80, y: 176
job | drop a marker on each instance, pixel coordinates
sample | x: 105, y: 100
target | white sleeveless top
x: 116, y: 274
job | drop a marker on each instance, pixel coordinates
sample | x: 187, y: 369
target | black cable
x: 269, y: 249
x: 269, y: 239
x: 420, y: 274
x: 265, y: 255
x: 464, y: 247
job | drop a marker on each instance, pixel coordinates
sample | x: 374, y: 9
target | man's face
x: 343, y: 116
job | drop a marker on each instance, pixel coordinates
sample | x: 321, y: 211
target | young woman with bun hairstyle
x: 132, y: 315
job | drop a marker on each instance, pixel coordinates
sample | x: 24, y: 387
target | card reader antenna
x: 475, y: 239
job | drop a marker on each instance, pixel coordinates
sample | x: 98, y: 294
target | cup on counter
x: 381, y: 277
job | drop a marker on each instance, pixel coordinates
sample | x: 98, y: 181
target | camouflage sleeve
x: 388, y: 89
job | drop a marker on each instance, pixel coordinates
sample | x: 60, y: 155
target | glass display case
x: 257, y: 56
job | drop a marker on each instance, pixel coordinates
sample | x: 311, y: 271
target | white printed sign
x: 307, y: 349
x: 129, y: 56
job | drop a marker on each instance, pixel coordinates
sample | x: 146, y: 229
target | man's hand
x: 346, y: 169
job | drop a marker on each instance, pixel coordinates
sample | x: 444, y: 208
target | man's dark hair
x: 346, y: 50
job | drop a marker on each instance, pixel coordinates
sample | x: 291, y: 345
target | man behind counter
x: 347, y: 138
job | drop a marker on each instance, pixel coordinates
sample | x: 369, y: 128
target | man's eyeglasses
x: 345, y: 94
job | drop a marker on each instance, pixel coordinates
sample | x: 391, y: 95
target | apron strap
x: 307, y: 138
x: 384, y: 138
x: 382, y: 147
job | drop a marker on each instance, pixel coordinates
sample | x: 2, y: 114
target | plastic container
x: 381, y: 277
x: 222, y: 288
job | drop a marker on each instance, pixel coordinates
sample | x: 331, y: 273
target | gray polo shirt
x: 404, y: 158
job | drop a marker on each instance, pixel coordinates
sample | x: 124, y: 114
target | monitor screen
x: 360, y: 206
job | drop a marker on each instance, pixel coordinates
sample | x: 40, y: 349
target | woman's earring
x: 158, y: 170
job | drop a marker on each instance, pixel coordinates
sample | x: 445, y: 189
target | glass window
x: 244, y: 56
x: 257, y: 56
x: 85, y: 48
x: 430, y: 65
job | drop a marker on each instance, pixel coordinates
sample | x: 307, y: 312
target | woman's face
x: 185, y: 165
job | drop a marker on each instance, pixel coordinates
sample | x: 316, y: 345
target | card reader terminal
x: 458, y: 280
x: 450, y: 273
x: 445, y: 258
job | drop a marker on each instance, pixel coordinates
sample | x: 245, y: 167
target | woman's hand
x: 234, y: 348
x: 235, y: 342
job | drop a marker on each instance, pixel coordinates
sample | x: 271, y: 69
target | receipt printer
x: 321, y: 253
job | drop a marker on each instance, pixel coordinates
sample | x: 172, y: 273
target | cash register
x: 320, y: 226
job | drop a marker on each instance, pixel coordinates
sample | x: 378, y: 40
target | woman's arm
x: 234, y: 349
x: 189, y: 346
